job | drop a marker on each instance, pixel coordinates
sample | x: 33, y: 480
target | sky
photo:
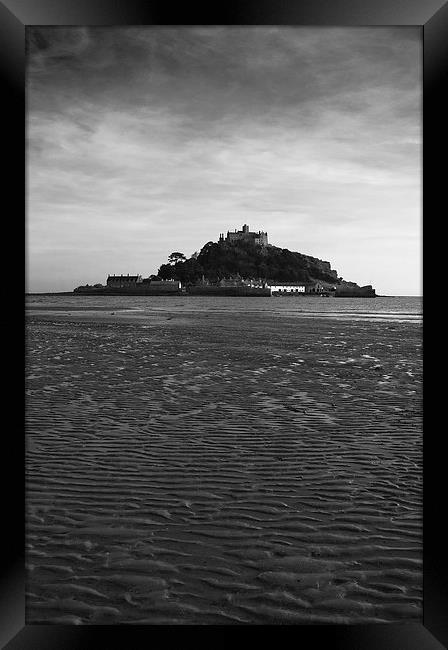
x: 142, y: 141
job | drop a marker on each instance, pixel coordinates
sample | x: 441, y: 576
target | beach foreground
x: 210, y: 469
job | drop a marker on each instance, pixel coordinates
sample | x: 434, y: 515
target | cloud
x: 143, y: 140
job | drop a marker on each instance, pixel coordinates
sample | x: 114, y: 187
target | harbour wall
x: 209, y: 290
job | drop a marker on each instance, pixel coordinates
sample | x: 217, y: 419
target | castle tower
x: 260, y: 238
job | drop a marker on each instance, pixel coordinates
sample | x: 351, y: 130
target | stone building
x: 259, y: 238
x: 314, y: 287
x: 165, y: 285
x: 123, y: 281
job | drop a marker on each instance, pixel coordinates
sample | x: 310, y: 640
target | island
x: 242, y: 263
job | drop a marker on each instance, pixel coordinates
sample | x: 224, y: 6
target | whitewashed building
x: 288, y: 287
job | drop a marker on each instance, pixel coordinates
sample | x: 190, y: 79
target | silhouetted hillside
x: 217, y: 261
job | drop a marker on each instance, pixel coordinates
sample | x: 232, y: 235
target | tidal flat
x: 210, y: 468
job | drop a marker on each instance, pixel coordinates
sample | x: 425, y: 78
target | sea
x: 393, y: 308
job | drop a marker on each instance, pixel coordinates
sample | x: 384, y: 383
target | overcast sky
x: 143, y: 141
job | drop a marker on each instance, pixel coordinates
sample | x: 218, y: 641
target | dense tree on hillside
x: 176, y: 257
x: 166, y: 272
x: 188, y: 271
x: 244, y: 259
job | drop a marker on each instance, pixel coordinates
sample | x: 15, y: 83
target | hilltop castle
x: 242, y: 263
x: 259, y: 238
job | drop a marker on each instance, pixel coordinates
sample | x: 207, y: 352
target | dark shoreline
x: 176, y: 294
x: 229, y: 294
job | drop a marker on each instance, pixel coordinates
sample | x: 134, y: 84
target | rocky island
x: 240, y: 263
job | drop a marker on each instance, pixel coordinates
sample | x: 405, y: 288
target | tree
x: 246, y: 260
x: 166, y: 272
x: 176, y: 257
x: 189, y: 271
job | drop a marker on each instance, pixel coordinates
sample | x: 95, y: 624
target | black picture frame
x: 15, y: 15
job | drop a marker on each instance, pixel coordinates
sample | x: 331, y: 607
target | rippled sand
x: 209, y: 469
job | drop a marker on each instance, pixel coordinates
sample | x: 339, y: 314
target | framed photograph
x: 222, y: 216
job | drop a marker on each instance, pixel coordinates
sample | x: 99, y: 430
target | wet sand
x: 210, y: 469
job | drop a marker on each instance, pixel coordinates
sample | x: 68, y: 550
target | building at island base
x: 300, y: 288
x: 288, y: 287
x: 342, y: 290
x: 141, y: 284
x: 241, y: 282
x: 264, y: 288
x: 137, y: 286
x: 132, y: 285
x: 123, y: 281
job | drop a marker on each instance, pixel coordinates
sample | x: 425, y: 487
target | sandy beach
x: 201, y: 468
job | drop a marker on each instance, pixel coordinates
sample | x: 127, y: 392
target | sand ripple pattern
x: 223, y: 470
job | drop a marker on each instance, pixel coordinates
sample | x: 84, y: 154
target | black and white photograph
x: 223, y: 409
